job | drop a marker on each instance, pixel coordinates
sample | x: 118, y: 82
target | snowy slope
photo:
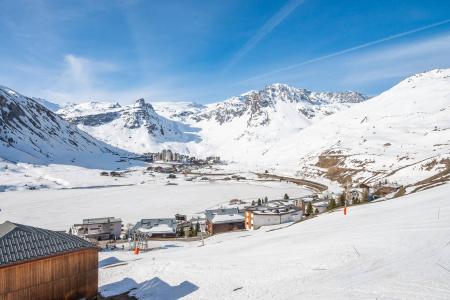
x: 29, y: 132
x: 402, y: 135
x: 397, y: 249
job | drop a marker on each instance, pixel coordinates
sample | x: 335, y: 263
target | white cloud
x: 80, y: 78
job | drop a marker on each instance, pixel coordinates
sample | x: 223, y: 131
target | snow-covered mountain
x: 245, y: 127
x: 255, y: 119
x: 135, y: 127
x: 402, y: 135
x: 29, y: 132
x: 257, y: 106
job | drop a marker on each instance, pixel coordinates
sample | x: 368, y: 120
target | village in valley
x: 111, y: 233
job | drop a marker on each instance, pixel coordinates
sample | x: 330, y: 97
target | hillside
x: 394, y: 249
x: 29, y: 132
x: 402, y: 135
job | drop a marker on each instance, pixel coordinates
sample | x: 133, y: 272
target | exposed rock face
x: 259, y: 105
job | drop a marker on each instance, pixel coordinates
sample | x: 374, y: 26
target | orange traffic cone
x: 345, y: 211
x: 136, y: 250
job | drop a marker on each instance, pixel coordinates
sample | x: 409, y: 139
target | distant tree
x: 266, y: 199
x: 331, y: 204
x: 253, y: 203
x: 342, y: 199
x: 259, y: 201
x: 197, y: 227
x: 309, y: 209
x: 286, y: 196
x: 192, y: 232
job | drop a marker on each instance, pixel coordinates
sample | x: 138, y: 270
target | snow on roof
x: 231, y: 218
x: 156, y: 226
x: 211, y: 213
x: 158, y: 229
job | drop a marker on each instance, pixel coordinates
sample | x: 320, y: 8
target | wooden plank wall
x: 72, y: 275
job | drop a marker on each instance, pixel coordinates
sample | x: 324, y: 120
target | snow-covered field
x: 58, y: 209
x: 396, y: 249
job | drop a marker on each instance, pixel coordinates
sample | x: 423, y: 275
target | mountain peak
x: 140, y: 102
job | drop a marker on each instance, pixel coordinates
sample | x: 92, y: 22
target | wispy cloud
x: 273, y: 22
x: 82, y: 79
x: 79, y: 77
x: 398, y: 61
x: 83, y: 72
x: 348, y: 50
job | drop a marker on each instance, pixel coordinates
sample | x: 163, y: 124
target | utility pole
x: 202, y: 228
x: 347, y: 185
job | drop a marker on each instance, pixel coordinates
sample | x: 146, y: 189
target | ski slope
x: 396, y: 249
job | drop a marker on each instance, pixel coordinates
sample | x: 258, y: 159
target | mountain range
x: 254, y: 119
x: 401, y: 135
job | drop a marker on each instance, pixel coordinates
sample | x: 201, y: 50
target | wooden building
x: 39, y: 264
x: 223, y: 220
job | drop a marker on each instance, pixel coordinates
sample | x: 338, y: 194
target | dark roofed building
x: 37, y: 263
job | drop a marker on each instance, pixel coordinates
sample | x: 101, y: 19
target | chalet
x: 108, y: 228
x: 257, y: 216
x: 40, y: 264
x: 223, y: 220
x: 157, y: 228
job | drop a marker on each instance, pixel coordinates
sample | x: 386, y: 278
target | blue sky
x: 206, y: 51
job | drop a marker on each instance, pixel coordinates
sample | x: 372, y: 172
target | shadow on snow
x: 155, y: 288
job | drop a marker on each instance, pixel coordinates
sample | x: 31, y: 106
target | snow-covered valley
x: 168, y: 150
x: 57, y: 169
